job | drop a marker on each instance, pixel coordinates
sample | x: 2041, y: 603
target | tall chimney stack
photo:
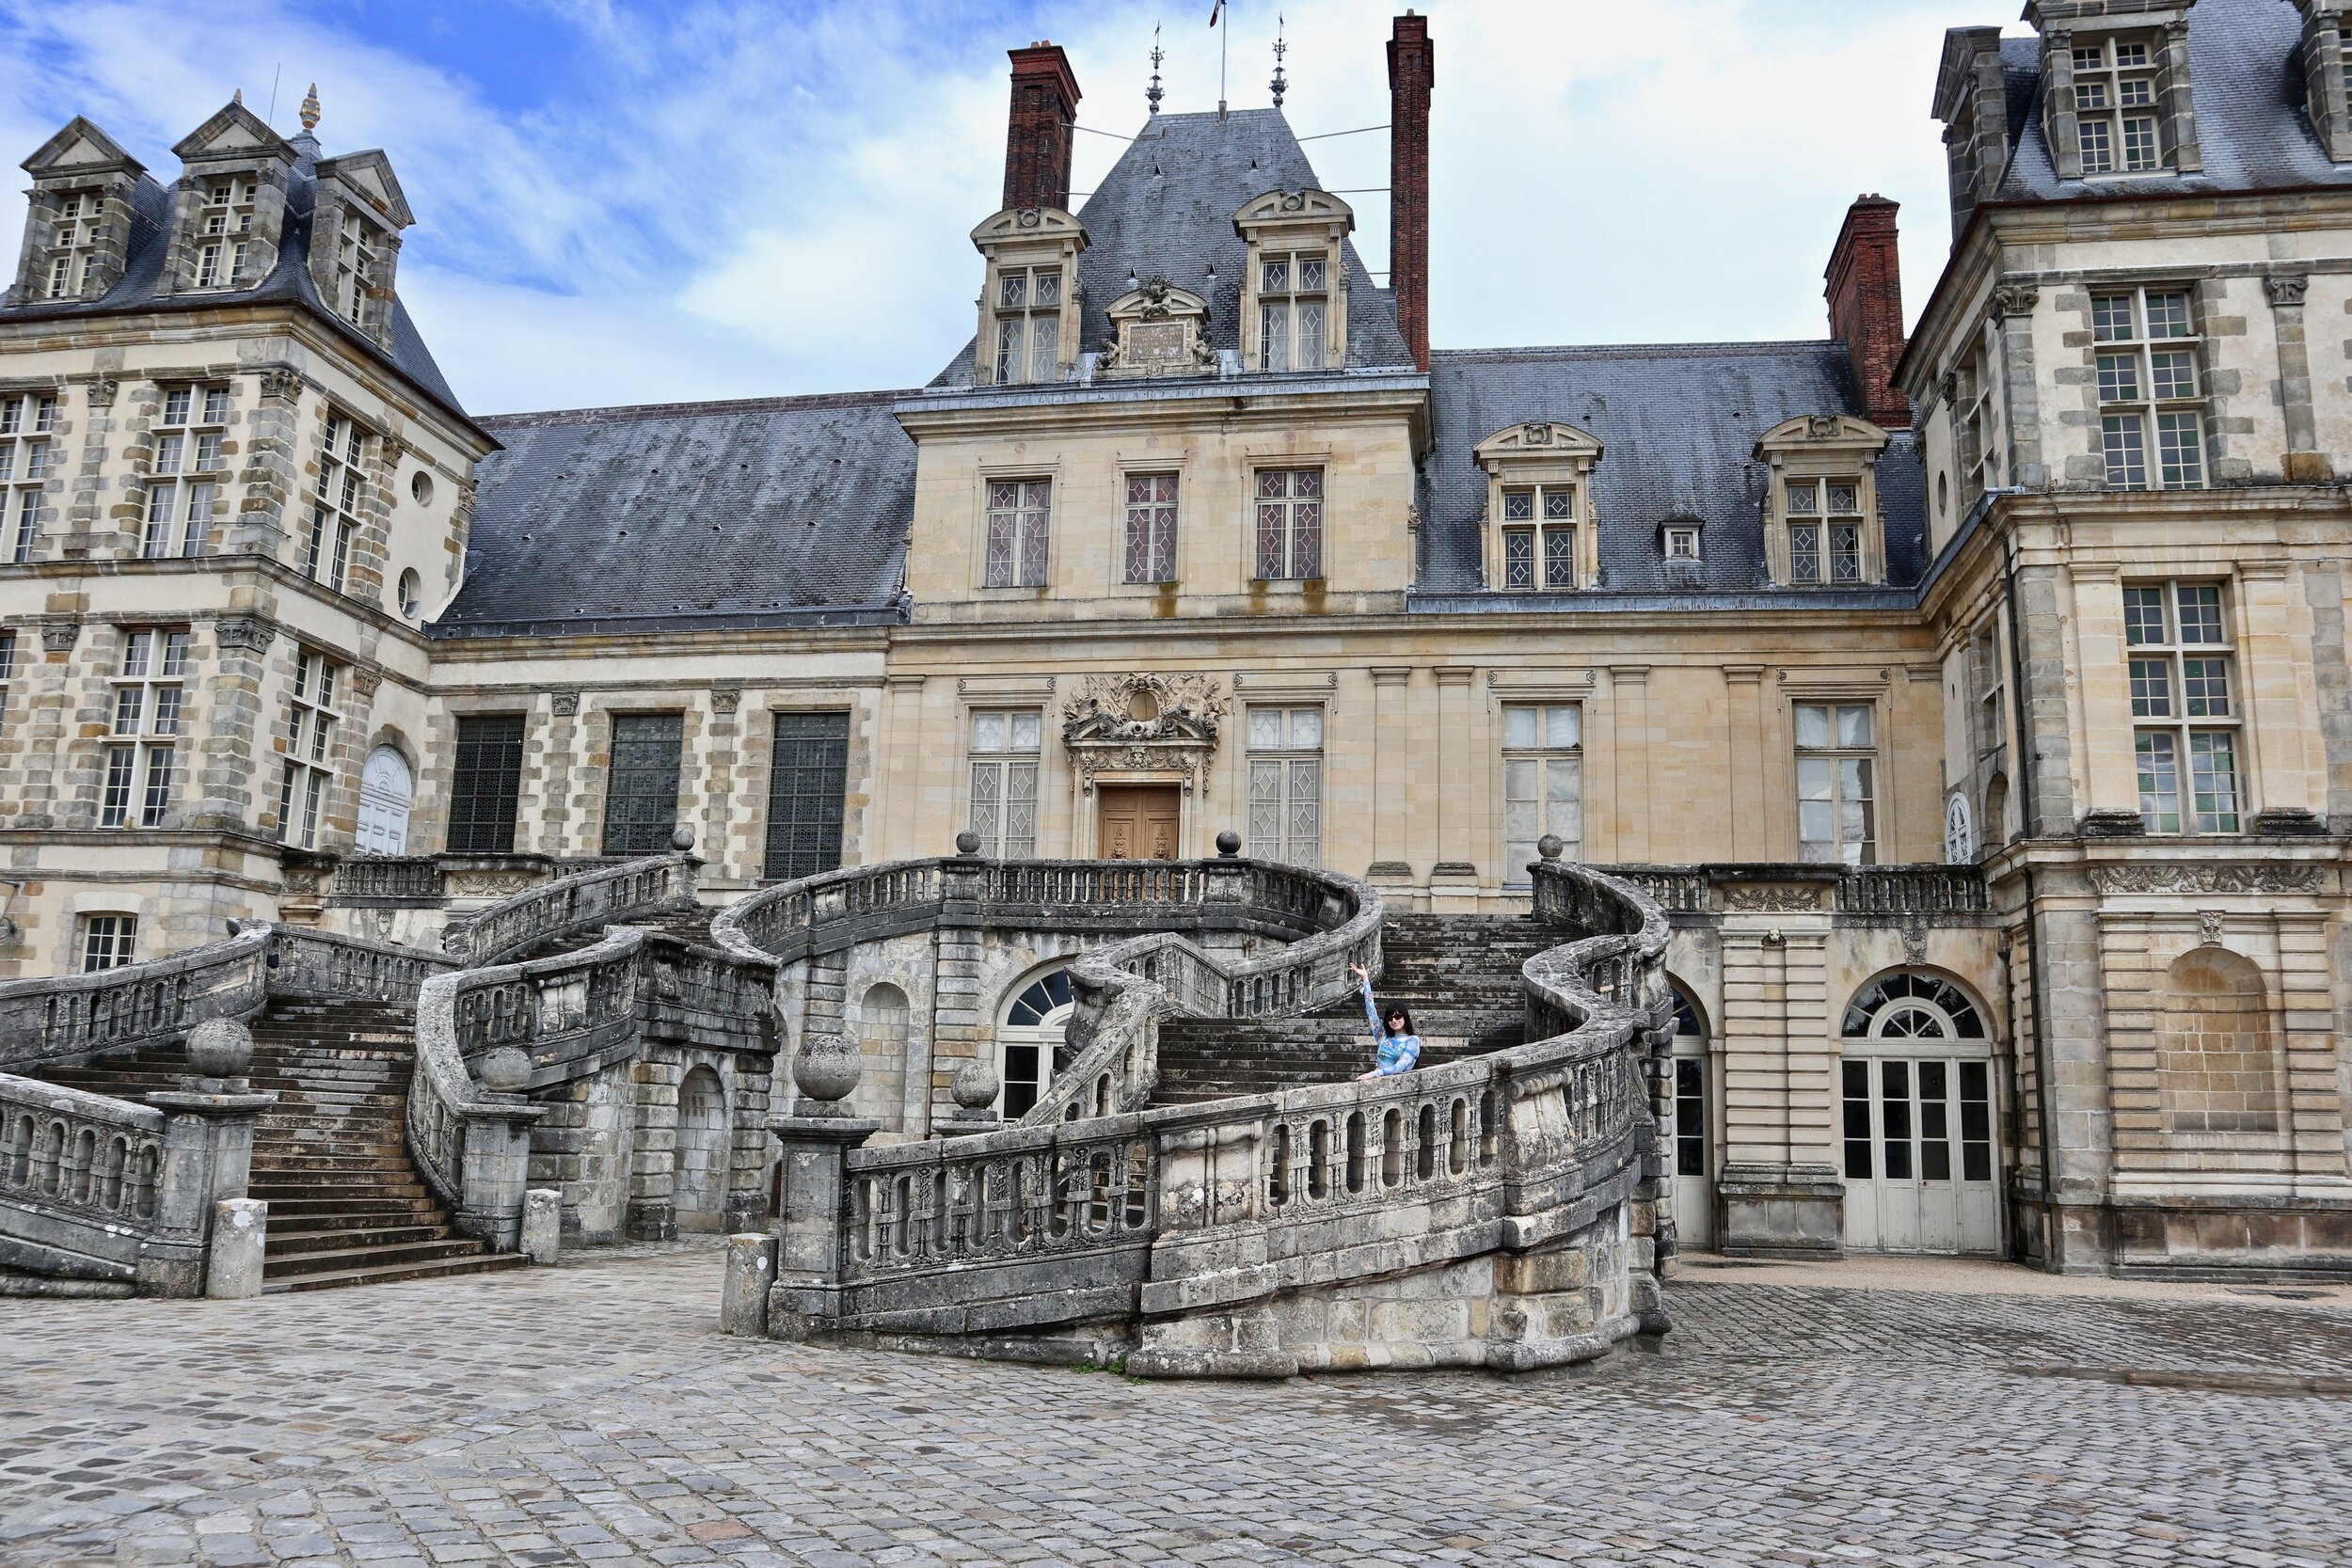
x: 1865, y: 307
x: 1412, y: 72
x: 1039, y: 132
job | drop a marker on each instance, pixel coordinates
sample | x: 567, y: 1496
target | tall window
x: 1286, y: 784
x: 1292, y: 310
x: 146, y: 723
x: 1020, y: 514
x: 335, y: 507
x: 2183, y: 705
x: 74, y: 245
x: 485, y: 783
x: 2115, y: 112
x: 1824, y: 530
x: 1543, y: 782
x: 805, y: 785
x: 7, y: 670
x: 26, y: 419
x: 1837, y: 785
x: 355, y: 266
x: 1986, y: 685
x: 224, y: 234
x: 1029, y: 323
x: 1290, y: 523
x: 1980, y: 454
x: 2147, y: 361
x: 1539, y: 537
x: 108, y: 941
x: 1151, y: 528
x: 641, y: 787
x: 180, y: 500
x: 309, y: 758
x: 1004, y: 782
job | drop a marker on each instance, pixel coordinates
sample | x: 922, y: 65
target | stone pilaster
x: 1392, y: 864
x: 267, y: 517
x: 2012, y: 310
x: 234, y: 765
x: 2303, y: 463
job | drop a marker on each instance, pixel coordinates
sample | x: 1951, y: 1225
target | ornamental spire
x: 1151, y: 94
x: 310, y: 110
x: 1280, y: 50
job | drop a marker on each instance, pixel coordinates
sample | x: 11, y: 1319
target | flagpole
x: 1221, y: 40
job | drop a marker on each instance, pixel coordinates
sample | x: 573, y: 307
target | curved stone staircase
x: 1458, y: 975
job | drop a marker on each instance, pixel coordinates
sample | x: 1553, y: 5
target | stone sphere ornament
x: 1229, y: 843
x: 681, y: 838
x: 967, y: 843
x: 505, y: 1071
x: 825, y: 1070
x: 1549, y: 846
x: 220, y: 1047
x: 975, y: 1085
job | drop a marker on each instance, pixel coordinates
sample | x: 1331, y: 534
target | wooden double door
x: 1137, y: 822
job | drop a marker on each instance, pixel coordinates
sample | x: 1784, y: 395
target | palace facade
x: 1977, y: 702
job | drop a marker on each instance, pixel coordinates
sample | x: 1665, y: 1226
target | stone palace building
x: 1975, y: 703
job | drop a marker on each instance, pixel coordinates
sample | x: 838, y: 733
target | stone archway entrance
x: 698, y: 1188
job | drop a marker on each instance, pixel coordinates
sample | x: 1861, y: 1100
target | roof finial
x: 238, y: 97
x: 1280, y: 50
x: 310, y: 110
x: 1151, y: 94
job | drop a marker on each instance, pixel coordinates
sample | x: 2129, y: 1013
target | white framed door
x: 1027, y: 1037
x: 1690, y: 1132
x: 385, y: 787
x: 1916, y: 1106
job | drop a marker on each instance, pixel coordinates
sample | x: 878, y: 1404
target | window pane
x: 2143, y: 615
x: 987, y: 731
x: 1307, y: 728
x: 1560, y: 725
x: 2212, y: 762
x: 1853, y: 725
x: 805, y: 787
x: 1026, y: 730
x: 2158, y: 753
x: 1812, y: 725
x: 2204, y: 688
x: 2152, y: 687
x: 2201, y: 614
x: 1519, y: 727
x: 486, y: 781
x: 1265, y: 729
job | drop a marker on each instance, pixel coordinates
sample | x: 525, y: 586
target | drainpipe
x: 2023, y: 766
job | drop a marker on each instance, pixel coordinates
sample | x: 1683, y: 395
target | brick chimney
x: 1037, y: 133
x: 1412, y: 72
x: 1865, y: 307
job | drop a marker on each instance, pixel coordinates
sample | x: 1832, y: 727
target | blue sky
x: 622, y: 203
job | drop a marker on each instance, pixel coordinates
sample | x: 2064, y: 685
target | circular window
x: 420, y: 486
x: 411, y: 591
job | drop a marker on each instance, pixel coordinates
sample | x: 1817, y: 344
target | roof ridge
x: 1664, y: 351
x: 621, y: 413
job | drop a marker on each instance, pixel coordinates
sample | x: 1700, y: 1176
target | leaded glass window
x: 1020, y: 517
x: 806, y: 783
x: 485, y: 783
x: 1286, y: 784
x: 1029, y: 323
x: 1151, y: 528
x: 1004, y: 781
x: 641, y: 786
x: 1292, y: 310
x: 1538, y: 537
x: 1824, y: 531
x: 1290, y: 523
x: 1543, y: 782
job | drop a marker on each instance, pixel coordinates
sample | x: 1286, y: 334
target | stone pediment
x: 1159, y: 329
x: 1823, y: 433
x: 234, y: 133
x: 81, y: 148
x: 1301, y: 206
x: 370, y: 174
x: 1538, y: 441
x: 1143, y: 723
x: 1022, y: 224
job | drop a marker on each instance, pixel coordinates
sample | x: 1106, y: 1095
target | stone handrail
x: 74, y: 1016
x: 1912, y: 890
x: 1192, y: 1208
x: 312, y: 965
x: 404, y: 877
x: 88, y: 1160
x: 634, y: 890
x: 1924, y: 889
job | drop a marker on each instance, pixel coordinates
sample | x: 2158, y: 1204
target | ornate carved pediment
x: 1539, y: 440
x: 1143, y: 723
x: 1301, y: 206
x: 1029, y: 223
x: 1823, y: 433
x: 1161, y: 330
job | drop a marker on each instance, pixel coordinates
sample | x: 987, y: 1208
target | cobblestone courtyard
x: 592, y: 1414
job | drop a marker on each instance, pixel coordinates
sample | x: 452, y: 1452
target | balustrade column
x: 208, y: 1156
x: 806, y: 1299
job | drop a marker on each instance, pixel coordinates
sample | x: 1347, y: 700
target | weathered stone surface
x: 233, y: 1266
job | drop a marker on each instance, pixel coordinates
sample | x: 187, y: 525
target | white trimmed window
x: 309, y: 774
x: 1837, y: 785
x: 224, y: 234
x: 1004, y: 781
x: 1293, y: 310
x: 1290, y: 523
x: 26, y: 419
x: 1682, y: 544
x: 144, y: 728
x: 7, y: 670
x: 2115, y: 106
x: 2150, y: 412
x: 2184, y: 707
x: 1824, y: 531
x: 1151, y: 528
x: 1020, y: 523
x: 108, y: 941
x: 1029, y: 323
x: 74, y: 245
x: 183, y: 482
x: 1543, y: 782
x: 1538, y: 537
x: 335, y: 506
x: 356, y: 251
x: 1286, y: 784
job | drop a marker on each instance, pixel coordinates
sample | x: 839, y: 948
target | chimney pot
x: 1040, y: 127
x: 1863, y: 285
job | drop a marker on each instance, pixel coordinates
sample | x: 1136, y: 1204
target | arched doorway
x: 385, y: 787
x: 1028, y: 1033
x: 698, y: 1188
x: 1917, y: 1108
x: 2217, y: 1062
x: 1693, y: 1127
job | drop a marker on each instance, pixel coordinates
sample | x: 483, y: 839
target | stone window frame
x: 2138, y: 399
x: 103, y: 170
x: 307, y: 781
x: 178, y: 475
x: 9, y: 645
x: 73, y: 237
x: 1293, y: 294
x: 349, y: 505
x: 1002, y: 764
x: 30, y: 436
x: 1158, y: 573
x: 990, y: 476
x: 2175, y: 652
x: 1542, y: 455
x: 2326, y: 67
x: 104, y: 939
x: 1026, y: 241
x: 146, y: 715
x: 1292, y: 504
x: 2162, y: 29
x: 1544, y: 751
x: 358, y: 286
x: 1671, y: 534
x: 1801, y: 690
x: 1279, y: 760
x: 511, y: 801
x: 850, y: 713
x: 622, y: 837
x: 1819, y: 452
x: 225, y: 219
x: 1288, y: 224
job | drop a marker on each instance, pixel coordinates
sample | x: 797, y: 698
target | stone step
x: 312, y: 1209
x: 349, y: 1237
x: 336, y: 1259
x: 489, y: 1263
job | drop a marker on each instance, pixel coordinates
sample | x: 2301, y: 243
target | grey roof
x: 289, y: 282
x: 2252, y: 130
x: 1167, y: 208
x: 1677, y: 425
x: 768, y: 512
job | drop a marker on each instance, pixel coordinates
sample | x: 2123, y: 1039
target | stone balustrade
x: 398, y: 878
x: 73, y: 1018
x: 634, y: 890
x: 1900, y: 892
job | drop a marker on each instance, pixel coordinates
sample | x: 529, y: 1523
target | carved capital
x: 241, y: 631
x: 58, y: 633
x: 101, y: 391
x: 564, y: 704
x: 726, y: 699
x: 282, y: 381
x: 1948, y: 388
x: 366, y: 680
x: 2285, y: 289
x: 2014, y: 299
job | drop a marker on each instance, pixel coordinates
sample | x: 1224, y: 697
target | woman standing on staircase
x: 1399, y: 1047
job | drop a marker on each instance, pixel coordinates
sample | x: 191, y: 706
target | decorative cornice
x: 2149, y: 877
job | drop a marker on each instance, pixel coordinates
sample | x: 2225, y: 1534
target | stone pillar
x: 1454, y: 880
x: 960, y: 1022
x: 2303, y: 463
x: 208, y: 1156
x: 2012, y: 311
x: 2046, y: 750
x: 1391, y: 869
x: 543, y: 1224
x: 1779, y: 1192
x: 497, y: 1168
x: 240, y: 1225
x: 743, y: 1300
x: 805, y: 1298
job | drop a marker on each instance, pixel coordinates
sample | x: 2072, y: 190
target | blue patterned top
x: 1398, y: 1052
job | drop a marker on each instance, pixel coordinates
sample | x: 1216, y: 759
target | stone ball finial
x: 220, y: 1047
x: 681, y: 838
x: 1549, y: 846
x: 1229, y: 844
x: 967, y: 843
x: 975, y: 1085
x: 825, y: 1070
x: 505, y: 1071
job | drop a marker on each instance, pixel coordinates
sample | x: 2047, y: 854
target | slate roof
x: 2252, y: 130
x: 1677, y: 425
x: 1167, y: 208
x: 768, y: 512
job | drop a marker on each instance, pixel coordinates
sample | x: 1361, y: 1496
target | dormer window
x: 1822, y: 512
x: 74, y: 244
x: 1029, y: 323
x: 1682, y: 544
x: 1539, y: 537
x: 355, y: 266
x: 2115, y: 105
x: 1292, y: 310
x: 224, y: 234
x: 1824, y: 531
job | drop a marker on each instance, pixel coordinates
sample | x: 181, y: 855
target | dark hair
x: 1394, y: 1010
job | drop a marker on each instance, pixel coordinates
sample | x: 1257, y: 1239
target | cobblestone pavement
x: 592, y: 1414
